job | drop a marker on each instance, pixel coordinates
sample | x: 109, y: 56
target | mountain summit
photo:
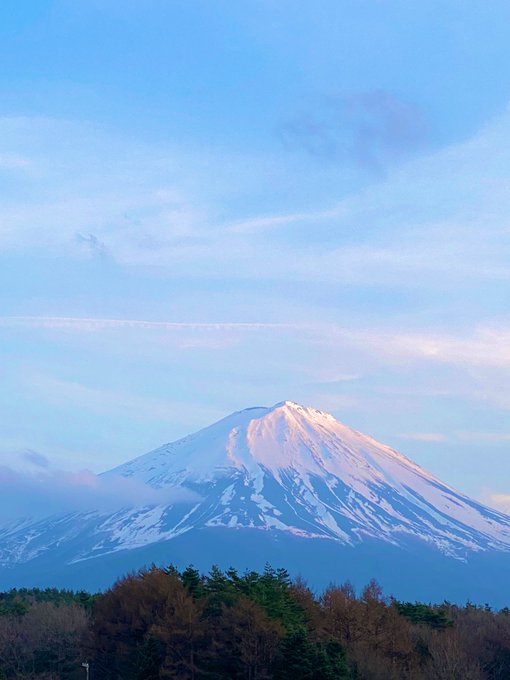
x: 298, y: 469
x: 264, y: 477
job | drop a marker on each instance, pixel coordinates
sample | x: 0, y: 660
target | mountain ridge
x: 284, y: 472
x: 298, y: 447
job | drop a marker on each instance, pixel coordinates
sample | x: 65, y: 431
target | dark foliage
x: 300, y: 659
x: 421, y: 613
x: 166, y: 624
x: 18, y: 601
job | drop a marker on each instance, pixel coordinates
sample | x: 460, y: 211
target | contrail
x: 92, y: 324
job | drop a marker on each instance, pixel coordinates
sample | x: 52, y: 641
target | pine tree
x: 148, y: 663
x: 337, y: 667
x: 220, y: 592
x: 193, y: 581
x: 296, y: 658
x: 300, y: 659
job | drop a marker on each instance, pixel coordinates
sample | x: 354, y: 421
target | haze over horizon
x: 206, y: 208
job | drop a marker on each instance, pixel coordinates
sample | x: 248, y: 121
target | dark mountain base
x: 413, y: 573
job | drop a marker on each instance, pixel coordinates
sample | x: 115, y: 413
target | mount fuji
x: 287, y: 484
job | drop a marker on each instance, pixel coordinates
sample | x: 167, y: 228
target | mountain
x: 285, y: 483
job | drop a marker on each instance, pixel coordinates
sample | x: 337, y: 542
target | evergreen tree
x: 219, y: 590
x: 296, y: 658
x: 421, y: 613
x: 148, y: 664
x: 193, y: 581
x: 300, y: 659
x: 337, y: 668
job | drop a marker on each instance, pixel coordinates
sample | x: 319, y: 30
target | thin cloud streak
x: 433, y: 222
x: 95, y: 324
x: 267, y: 222
x: 488, y: 347
x: 482, y: 346
x: 423, y: 436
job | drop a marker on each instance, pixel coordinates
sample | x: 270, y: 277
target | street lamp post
x: 86, y: 666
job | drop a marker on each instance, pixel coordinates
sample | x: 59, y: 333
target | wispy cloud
x: 108, y: 195
x: 97, y: 324
x: 482, y: 346
x: 263, y: 223
x: 500, y: 501
x: 431, y: 222
x: 423, y: 436
x: 372, y: 128
x: 489, y: 347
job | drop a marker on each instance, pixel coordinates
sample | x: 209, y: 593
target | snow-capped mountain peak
x: 287, y: 468
x: 286, y: 436
x: 299, y: 469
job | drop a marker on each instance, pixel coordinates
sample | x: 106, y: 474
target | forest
x: 166, y: 623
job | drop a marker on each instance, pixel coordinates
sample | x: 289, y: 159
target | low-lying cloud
x: 37, y: 490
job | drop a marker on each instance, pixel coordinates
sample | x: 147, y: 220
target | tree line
x: 165, y: 623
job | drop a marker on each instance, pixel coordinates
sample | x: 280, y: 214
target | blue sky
x: 208, y: 206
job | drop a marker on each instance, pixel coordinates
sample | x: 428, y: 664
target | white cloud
x: 423, y: 436
x: 479, y: 347
x: 43, y: 491
x: 484, y: 346
x: 433, y: 221
x: 118, y: 191
x: 263, y: 223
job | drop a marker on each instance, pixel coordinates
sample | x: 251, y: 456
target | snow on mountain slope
x: 286, y: 468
